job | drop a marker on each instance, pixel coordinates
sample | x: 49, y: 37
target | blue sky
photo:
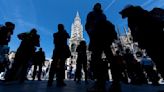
x: 44, y: 15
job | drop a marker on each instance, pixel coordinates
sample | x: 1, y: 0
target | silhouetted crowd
x: 147, y: 29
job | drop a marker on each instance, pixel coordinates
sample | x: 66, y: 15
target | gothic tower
x: 76, y: 33
x: 76, y: 36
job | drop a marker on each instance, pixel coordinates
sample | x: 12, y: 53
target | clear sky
x: 44, y: 15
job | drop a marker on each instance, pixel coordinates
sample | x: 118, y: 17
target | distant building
x: 125, y: 41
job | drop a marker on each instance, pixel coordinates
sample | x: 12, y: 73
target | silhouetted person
x: 121, y: 67
x: 81, y: 62
x: 5, y: 34
x: 129, y: 59
x: 60, y: 54
x: 29, y: 40
x: 134, y: 70
x: 105, y: 68
x: 70, y: 70
x: 38, y: 60
x: 158, y: 13
x: 147, y: 30
x: 101, y: 33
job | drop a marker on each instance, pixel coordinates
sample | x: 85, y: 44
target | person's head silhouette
x: 10, y: 26
x: 126, y: 11
x: 131, y: 10
x: 60, y: 27
x: 40, y: 49
x: 97, y: 7
x: 33, y: 31
x: 83, y: 43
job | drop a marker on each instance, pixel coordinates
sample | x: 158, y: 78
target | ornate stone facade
x: 76, y: 36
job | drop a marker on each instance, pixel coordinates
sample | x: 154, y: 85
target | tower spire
x: 77, y: 14
x: 77, y: 18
